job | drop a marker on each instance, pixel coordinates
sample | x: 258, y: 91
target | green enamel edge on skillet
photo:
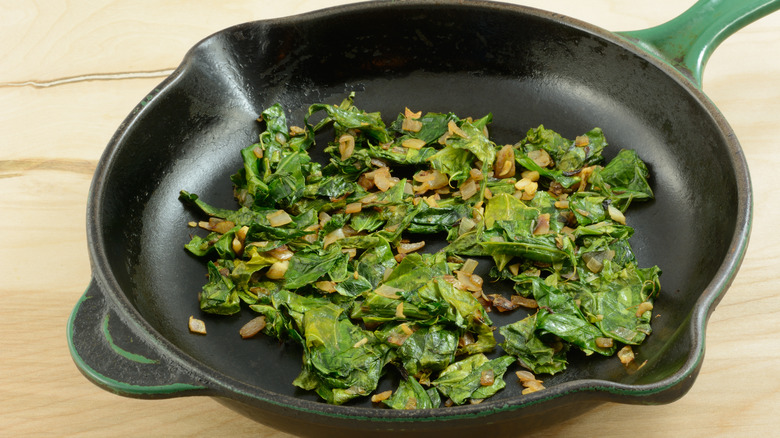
x: 113, y: 384
x: 121, y: 351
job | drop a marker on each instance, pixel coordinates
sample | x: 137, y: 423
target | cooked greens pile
x: 330, y: 254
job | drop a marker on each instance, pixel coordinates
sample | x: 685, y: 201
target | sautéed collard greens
x: 329, y: 255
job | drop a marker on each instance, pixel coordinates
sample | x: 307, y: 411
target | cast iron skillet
x: 128, y: 333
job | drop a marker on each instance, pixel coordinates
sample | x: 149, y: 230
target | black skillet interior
x: 527, y: 68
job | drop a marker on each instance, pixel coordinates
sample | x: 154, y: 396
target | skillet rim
x: 223, y: 385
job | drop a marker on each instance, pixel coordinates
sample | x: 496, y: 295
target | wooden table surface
x: 71, y: 71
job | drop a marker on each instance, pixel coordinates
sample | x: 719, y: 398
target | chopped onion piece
x: 643, y: 307
x: 528, y: 303
x: 332, y: 237
x: 197, y: 326
x: 405, y: 248
x: 413, y: 143
x: 452, y: 128
x: 369, y: 198
x: 431, y: 201
x: 252, y: 328
x: 387, y: 291
x: 346, y: 146
x: 383, y: 180
x: 411, y: 125
x: 277, y: 270
x: 257, y: 152
x: 525, y: 376
x: 326, y: 286
x: 467, y: 281
x: 281, y: 253
x: 409, y: 114
x: 581, y: 141
x: 279, y: 218
x: 616, y: 215
x: 354, y: 207
x: 487, y: 378
x: 466, y: 225
x: 468, y: 189
x: 593, y: 261
x: 399, y: 310
x: 532, y: 386
x: 530, y: 174
x: 237, y: 245
x: 424, y: 176
x: 501, y: 303
x: 324, y: 218
x: 218, y: 225
x: 626, y: 355
x: 540, y: 157
x: 376, y: 398
x: 469, y: 265
x: 542, y: 224
x: 504, y: 166
x: 604, y: 342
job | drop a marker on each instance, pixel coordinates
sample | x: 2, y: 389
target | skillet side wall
x: 525, y: 69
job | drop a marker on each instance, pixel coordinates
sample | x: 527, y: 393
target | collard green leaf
x: 614, y: 301
x: 454, y: 162
x: 309, y: 266
x: 370, y: 124
x: 522, y: 342
x: 434, y: 125
x: 411, y: 395
x: 341, y: 360
x: 219, y: 294
x: 462, y: 380
x: 375, y: 261
x: 560, y: 315
x: 548, y: 140
x: 428, y: 349
x: 623, y: 179
x: 582, y: 155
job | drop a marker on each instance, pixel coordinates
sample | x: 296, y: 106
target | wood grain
x: 70, y: 72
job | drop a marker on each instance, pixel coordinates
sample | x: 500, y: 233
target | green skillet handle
x: 119, y: 357
x: 687, y: 41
